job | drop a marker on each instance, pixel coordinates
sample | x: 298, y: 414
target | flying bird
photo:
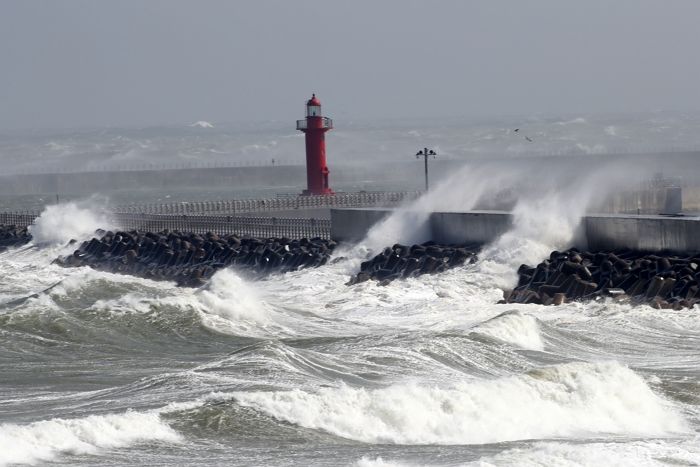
x: 527, y: 138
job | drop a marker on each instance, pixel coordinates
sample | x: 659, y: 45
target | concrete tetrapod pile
x: 11, y: 236
x: 190, y: 259
x: 401, y: 261
x: 662, y: 281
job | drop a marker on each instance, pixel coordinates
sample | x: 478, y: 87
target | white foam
x: 46, y: 440
x: 379, y: 462
x: 570, y: 400
x: 60, y: 223
x: 230, y: 305
x: 521, y: 330
x: 630, y: 454
x: 574, y: 121
x: 202, y: 124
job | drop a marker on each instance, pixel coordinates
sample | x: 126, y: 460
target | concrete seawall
x: 642, y: 233
x: 600, y: 232
x: 469, y: 227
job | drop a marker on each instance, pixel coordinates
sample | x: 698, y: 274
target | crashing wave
x: 202, y: 124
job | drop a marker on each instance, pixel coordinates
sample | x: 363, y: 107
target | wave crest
x: 45, y: 440
x: 570, y: 400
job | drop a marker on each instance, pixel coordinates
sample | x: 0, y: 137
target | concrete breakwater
x: 401, y: 261
x: 190, y: 259
x: 13, y: 236
x: 598, y: 231
x: 651, y: 259
x: 662, y: 281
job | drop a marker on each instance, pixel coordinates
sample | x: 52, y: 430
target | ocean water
x: 256, y: 144
x: 375, y: 150
x: 298, y: 369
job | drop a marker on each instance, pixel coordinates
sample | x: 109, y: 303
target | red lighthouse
x: 315, y: 127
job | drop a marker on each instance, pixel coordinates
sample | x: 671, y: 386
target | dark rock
x: 191, y: 259
x: 402, y: 261
x: 12, y: 236
x: 664, y: 281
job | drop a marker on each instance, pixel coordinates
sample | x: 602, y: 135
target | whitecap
x: 47, y: 439
x: 571, y: 400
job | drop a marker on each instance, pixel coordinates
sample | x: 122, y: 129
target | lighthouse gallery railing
x: 326, y: 123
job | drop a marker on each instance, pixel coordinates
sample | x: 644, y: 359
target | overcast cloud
x: 94, y: 63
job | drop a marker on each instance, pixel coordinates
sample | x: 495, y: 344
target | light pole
x: 425, y: 152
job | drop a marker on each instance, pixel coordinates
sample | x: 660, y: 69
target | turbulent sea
x: 298, y: 369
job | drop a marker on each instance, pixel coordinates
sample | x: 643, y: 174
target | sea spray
x: 232, y: 306
x: 547, y: 204
x: 60, y: 223
x: 548, y: 216
x: 461, y: 191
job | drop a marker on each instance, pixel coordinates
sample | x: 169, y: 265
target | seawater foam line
x: 647, y: 453
x: 564, y: 401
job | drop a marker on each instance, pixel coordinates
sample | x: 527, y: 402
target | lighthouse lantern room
x: 315, y: 126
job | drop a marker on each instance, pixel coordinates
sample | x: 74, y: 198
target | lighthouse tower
x: 315, y: 127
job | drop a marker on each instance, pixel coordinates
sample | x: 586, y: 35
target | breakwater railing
x: 18, y: 219
x: 224, y: 217
x: 290, y: 203
x: 201, y: 224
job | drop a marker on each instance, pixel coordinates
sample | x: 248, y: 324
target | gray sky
x: 76, y: 63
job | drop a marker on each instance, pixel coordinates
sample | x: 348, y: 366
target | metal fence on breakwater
x: 280, y: 203
x: 224, y: 217
x: 253, y: 226
x: 201, y: 224
x: 18, y: 219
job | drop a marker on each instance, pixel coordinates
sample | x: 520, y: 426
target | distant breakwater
x: 191, y: 259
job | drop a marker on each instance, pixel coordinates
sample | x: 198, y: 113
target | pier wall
x: 469, y: 227
x: 351, y: 225
x: 599, y: 232
x: 643, y: 233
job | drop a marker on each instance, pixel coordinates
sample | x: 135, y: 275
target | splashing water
x: 60, y: 223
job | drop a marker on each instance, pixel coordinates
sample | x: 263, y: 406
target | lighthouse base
x: 323, y: 192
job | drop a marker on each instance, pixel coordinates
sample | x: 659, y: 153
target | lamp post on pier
x: 425, y: 152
